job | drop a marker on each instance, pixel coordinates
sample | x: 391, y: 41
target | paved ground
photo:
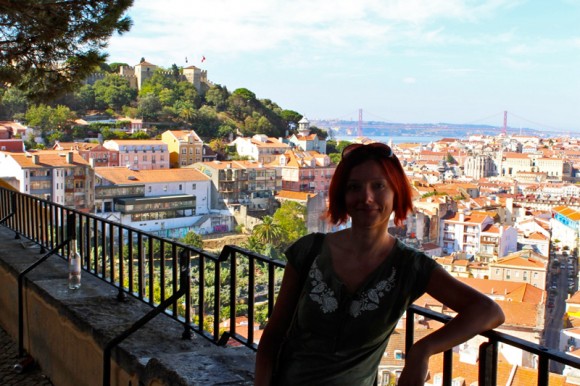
x: 8, y: 358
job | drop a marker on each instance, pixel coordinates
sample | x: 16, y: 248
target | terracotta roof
x: 184, y: 133
x: 523, y: 376
x: 518, y: 261
x: 473, y: 217
x: 48, y: 158
x: 298, y: 196
x: 120, y: 175
x: 12, y: 145
x: 516, y: 291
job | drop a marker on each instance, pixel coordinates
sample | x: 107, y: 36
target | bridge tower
x: 359, y: 127
x: 504, y: 131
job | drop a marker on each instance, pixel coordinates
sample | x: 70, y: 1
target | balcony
x: 146, y: 309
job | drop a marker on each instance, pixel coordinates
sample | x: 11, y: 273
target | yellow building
x: 185, y: 147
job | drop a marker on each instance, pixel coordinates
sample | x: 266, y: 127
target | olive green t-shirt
x: 338, y: 338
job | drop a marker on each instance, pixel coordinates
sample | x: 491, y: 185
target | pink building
x: 140, y: 154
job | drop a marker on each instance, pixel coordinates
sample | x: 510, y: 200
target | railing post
x: 185, y: 284
x: 543, y: 368
x: 409, y: 329
x: 487, y: 364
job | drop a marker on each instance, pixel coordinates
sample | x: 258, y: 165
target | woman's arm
x: 475, y: 313
x: 277, y: 326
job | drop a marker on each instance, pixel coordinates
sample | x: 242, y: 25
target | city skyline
x: 460, y: 62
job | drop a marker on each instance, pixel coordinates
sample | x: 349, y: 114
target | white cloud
x: 409, y: 80
x: 233, y: 27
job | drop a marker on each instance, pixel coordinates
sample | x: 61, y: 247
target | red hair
x: 393, y: 171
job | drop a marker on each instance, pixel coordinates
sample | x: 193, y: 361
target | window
x: 438, y: 379
x: 193, y: 186
x: 184, y: 151
x: 398, y: 355
x: 508, y: 274
x: 144, y: 158
x: 180, y: 187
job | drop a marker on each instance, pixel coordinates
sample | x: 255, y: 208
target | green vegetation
x: 49, y: 48
x: 276, y: 233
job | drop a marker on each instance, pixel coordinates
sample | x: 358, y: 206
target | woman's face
x: 369, y: 196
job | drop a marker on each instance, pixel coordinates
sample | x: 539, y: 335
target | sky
x: 410, y: 61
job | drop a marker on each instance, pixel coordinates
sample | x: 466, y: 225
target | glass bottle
x: 74, y: 267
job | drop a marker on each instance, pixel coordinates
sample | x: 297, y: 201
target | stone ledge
x: 66, y: 331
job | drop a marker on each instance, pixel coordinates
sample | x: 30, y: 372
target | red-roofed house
x: 305, y: 140
x: 305, y: 171
x: 523, y: 266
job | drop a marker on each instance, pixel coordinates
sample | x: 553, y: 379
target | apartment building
x: 260, y: 147
x: 305, y: 171
x: 184, y: 146
x: 497, y: 241
x: 166, y: 202
x: 140, y: 154
x: 248, y: 183
x: 57, y: 176
x: 462, y: 231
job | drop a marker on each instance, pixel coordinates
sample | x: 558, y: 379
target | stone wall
x: 66, y: 331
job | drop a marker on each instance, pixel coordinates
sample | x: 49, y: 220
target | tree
x: 46, y: 118
x: 245, y: 94
x: 48, y: 47
x: 149, y: 106
x: 11, y: 103
x: 113, y: 91
x: 193, y: 239
x: 217, y: 96
x: 291, y: 218
x: 85, y: 97
x: 268, y: 232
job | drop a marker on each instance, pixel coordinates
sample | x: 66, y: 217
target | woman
x: 331, y: 326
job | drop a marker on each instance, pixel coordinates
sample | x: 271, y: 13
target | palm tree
x: 268, y: 231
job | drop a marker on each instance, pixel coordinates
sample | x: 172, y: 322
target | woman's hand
x: 415, y: 370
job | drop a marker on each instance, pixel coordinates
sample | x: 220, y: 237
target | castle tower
x: 195, y: 76
x: 144, y: 71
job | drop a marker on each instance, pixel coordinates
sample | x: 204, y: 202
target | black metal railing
x: 236, y: 283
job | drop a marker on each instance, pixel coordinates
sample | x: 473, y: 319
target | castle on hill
x: 138, y: 74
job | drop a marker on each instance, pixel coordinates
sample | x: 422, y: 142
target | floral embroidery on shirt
x: 367, y: 301
x: 320, y: 293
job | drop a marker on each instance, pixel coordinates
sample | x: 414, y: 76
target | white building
x: 167, y: 202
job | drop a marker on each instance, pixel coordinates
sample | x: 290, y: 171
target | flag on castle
x: 203, y: 59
